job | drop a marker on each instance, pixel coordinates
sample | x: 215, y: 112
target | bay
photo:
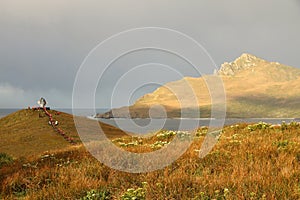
x: 150, y: 125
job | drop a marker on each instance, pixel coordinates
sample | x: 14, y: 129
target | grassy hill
x: 253, y: 87
x: 27, y: 132
x: 257, y: 161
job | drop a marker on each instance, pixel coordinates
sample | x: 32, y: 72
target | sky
x: 43, y: 44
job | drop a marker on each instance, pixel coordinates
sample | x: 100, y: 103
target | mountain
x: 254, y: 87
x: 27, y: 132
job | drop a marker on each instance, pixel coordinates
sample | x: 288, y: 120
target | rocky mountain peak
x: 243, y: 62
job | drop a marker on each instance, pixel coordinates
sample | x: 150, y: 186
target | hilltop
x: 253, y: 86
x: 27, y: 132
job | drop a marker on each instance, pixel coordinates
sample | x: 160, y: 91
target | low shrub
x: 134, y: 194
x: 97, y: 195
x: 5, y: 159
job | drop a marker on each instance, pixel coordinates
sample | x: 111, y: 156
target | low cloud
x: 8, y: 90
x: 16, y: 97
x: 11, y: 96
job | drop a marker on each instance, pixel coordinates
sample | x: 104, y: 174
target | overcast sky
x: 43, y: 43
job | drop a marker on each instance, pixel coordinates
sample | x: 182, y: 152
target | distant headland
x: 253, y: 86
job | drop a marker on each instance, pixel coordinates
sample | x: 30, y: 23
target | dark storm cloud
x: 42, y: 43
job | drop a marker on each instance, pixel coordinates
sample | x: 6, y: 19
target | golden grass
x: 27, y: 132
x: 245, y: 164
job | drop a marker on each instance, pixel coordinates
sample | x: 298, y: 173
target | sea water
x: 7, y: 111
x: 149, y: 125
x: 80, y: 112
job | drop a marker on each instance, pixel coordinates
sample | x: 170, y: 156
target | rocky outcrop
x: 243, y: 62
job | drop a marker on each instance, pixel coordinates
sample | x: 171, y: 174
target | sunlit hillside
x: 253, y: 88
x: 27, y: 132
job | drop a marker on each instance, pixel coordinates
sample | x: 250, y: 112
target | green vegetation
x: 96, y: 195
x: 5, y: 159
x: 135, y: 194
